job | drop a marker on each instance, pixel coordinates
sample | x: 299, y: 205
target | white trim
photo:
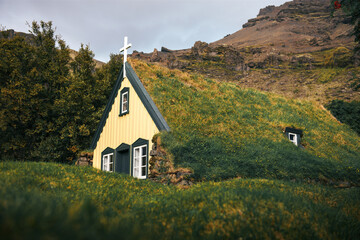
x: 108, y: 162
x: 293, y: 138
x: 140, y: 161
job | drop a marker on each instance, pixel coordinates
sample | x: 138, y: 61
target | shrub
x: 346, y: 112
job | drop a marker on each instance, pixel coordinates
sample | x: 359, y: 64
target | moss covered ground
x: 55, y: 201
x: 222, y: 131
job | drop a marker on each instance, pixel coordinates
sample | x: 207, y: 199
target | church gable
x: 129, y: 122
x: 124, y: 91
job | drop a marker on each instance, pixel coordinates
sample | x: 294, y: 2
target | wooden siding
x: 127, y: 128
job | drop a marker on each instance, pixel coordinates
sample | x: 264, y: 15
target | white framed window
x: 293, y: 138
x: 140, y: 162
x: 108, y: 162
x: 124, y: 102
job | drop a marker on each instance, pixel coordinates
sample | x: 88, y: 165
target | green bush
x: 346, y: 112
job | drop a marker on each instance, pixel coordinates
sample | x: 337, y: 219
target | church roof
x: 144, y: 96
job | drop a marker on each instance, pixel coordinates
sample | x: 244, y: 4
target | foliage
x: 31, y: 77
x: 16, y: 91
x: 57, y: 201
x: 50, y: 104
x: 223, y: 131
x: 346, y: 112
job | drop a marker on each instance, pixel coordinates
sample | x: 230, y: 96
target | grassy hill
x: 221, y: 131
x: 54, y: 201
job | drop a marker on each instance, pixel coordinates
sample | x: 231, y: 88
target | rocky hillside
x: 298, y: 26
x: 297, y: 49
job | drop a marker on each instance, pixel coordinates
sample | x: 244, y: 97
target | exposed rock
x: 266, y: 10
x: 155, y: 56
x: 10, y: 34
x: 302, y: 59
x: 249, y: 24
x: 178, y: 64
x: 84, y: 159
x: 274, y: 59
x: 199, y: 48
x: 164, y: 49
x: 252, y: 22
x: 232, y: 56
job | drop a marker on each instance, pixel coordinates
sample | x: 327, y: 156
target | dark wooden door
x: 122, y: 164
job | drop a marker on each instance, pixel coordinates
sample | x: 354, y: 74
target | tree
x: 52, y: 73
x: 17, y: 68
x: 50, y: 104
x: 32, y: 74
x: 76, y: 105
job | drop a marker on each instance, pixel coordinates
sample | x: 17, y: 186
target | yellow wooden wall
x: 125, y: 129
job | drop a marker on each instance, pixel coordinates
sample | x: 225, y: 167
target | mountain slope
x: 297, y: 50
x: 298, y: 26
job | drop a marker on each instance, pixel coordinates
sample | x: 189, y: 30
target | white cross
x: 124, y: 49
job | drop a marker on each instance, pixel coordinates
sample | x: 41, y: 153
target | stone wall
x: 85, y: 159
x: 162, y: 168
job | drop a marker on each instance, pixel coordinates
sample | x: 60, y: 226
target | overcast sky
x: 149, y: 24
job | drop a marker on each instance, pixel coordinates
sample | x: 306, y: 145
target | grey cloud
x: 148, y: 24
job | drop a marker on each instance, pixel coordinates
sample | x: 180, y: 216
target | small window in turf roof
x: 294, y: 135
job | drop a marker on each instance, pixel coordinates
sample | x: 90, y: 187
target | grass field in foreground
x: 54, y: 201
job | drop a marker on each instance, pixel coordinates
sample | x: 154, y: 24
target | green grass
x: 54, y: 201
x: 222, y: 131
x: 335, y: 57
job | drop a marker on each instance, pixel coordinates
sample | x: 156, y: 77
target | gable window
x: 108, y: 162
x: 140, y: 162
x: 124, y: 101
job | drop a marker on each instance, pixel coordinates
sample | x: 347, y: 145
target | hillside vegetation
x: 320, y: 76
x: 221, y: 130
x: 55, y: 201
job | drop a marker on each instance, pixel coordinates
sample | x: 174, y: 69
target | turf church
x: 122, y: 141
